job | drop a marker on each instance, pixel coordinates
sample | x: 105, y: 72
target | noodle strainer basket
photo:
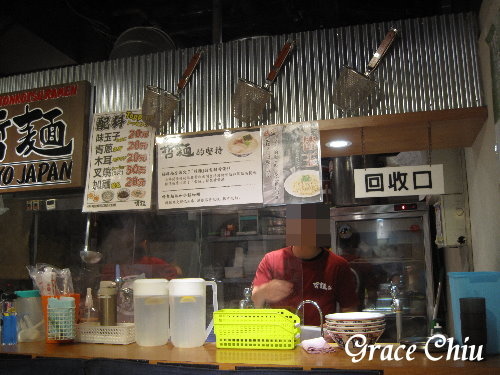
x: 353, y: 88
x: 249, y: 99
x: 159, y: 105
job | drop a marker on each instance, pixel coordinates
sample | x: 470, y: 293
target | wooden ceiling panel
x: 453, y: 128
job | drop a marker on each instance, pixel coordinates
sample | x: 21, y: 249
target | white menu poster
x: 120, y: 167
x: 210, y: 170
x: 291, y: 163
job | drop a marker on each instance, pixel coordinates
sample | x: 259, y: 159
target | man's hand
x: 273, y: 291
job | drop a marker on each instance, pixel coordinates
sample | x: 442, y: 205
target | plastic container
x: 29, y: 316
x: 477, y: 284
x: 188, y: 311
x: 123, y: 333
x: 151, y: 312
x: 256, y: 329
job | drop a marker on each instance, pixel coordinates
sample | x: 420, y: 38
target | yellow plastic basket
x: 256, y: 329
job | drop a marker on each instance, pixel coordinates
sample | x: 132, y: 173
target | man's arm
x: 272, y: 291
x: 267, y: 289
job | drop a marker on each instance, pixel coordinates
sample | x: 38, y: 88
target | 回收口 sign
x: 43, y: 137
x: 399, y: 181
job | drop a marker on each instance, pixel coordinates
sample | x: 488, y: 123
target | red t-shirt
x: 325, y: 279
x: 160, y: 268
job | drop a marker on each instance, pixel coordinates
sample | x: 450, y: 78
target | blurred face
x: 307, y: 227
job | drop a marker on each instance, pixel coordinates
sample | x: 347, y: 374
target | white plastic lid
x: 187, y: 287
x: 150, y: 287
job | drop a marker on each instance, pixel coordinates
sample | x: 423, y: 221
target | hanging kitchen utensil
x: 89, y: 256
x: 159, y: 105
x: 249, y: 99
x: 352, y: 88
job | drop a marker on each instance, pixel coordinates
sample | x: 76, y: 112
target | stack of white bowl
x: 342, y: 326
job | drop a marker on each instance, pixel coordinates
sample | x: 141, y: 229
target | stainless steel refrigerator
x: 389, y: 245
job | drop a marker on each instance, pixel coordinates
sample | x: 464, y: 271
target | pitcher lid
x: 188, y: 280
x: 187, y: 287
x: 27, y: 293
x: 150, y: 287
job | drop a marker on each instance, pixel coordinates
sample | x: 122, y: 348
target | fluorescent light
x: 338, y: 144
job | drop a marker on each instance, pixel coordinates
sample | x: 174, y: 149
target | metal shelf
x: 255, y: 237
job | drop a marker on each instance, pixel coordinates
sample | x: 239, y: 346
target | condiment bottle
x: 106, y: 296
x: 247, y: 302
x: 9, y: 320
x: 89, y: 313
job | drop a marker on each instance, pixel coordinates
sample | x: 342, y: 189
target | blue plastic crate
x: 477, y: 284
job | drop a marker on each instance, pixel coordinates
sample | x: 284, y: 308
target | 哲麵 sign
x: 43, y: 137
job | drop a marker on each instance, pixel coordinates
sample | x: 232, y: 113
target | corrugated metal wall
x: 432, y: 66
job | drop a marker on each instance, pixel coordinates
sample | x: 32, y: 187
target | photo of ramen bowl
x: 303, y: 183
x: 138, y: 193
x: 107, y: 196
x: 242, y: 144
x: 123, y: 194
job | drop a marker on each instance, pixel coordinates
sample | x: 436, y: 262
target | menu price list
x: 120, y: 163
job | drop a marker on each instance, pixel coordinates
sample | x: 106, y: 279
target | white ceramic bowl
x: 358, y: 329
x: 354, y: 325
x: 354, y: 317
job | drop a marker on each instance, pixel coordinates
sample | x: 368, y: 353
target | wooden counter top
x: 230, y: 359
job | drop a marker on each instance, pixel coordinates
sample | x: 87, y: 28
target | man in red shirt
x: 159, y: 267
x: 305, y: 270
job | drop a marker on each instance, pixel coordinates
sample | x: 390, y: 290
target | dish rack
x: 256, y: 329
x: 123, y: 333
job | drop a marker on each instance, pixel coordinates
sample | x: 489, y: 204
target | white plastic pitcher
x: 188, y: 311
x: 151, y: 312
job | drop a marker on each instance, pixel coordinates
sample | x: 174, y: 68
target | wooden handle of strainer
x: 381, y: 50
x: 285, y: 51
x: 193, y: 63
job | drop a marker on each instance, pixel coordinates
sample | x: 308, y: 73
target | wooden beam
x: 451, y: 128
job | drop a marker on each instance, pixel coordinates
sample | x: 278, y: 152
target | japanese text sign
x: 43, y: 137
x: 399, y: 181
x: 209, y: 170
x: 291, y: 163
x: 120, y: 163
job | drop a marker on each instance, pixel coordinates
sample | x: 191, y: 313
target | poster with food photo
x: 291, y: 163
x: 120, y: 167
x: 209, y: 170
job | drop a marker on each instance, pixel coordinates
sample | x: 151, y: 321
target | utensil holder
x: 60, y: 321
